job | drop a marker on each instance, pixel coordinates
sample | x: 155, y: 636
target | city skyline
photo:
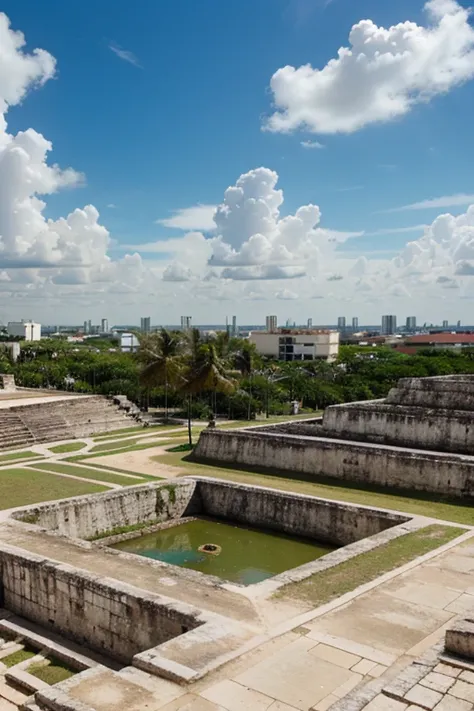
x: 320, y: 200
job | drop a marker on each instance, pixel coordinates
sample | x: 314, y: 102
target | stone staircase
x: 71, y: 418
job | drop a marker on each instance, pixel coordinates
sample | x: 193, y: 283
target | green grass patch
x: 185, y: 447
x: 20, y: 487
x: 101, y: 467
x: 20, y: 656
x: 118, y: 530
x: 69, y: 447
x: 329, y: 584
x: 115, y: 445
x: 19, y: 455
x: 411, y: 502
x: 52, y: 671
x: 117, y: 434
x: 87, y: 473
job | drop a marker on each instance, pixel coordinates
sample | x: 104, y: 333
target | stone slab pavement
x: 325, y: 663
x: 352, y: 658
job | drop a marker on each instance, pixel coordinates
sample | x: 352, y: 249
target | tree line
x: 198, y: 375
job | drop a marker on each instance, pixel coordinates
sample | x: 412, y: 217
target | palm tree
x: 160, y: 352
x: 244, y: 360
x: 208, y: 373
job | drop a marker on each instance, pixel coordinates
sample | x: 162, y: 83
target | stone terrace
x: 46, y: 418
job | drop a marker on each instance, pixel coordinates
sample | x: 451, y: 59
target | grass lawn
x: 19, y: 455
x: 21, y: 656
x: 327, y: 585
x: 117, y: 434
x: 69, y: 447
x: 52, y: 671
x: 412, y: 502
x: 119, y: 444
x: 20, y: 487
x: 87, y: 473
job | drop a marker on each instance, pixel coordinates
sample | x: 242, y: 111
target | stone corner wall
x: 88, y: 516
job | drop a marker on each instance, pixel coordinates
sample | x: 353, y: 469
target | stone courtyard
x: 356, y: 653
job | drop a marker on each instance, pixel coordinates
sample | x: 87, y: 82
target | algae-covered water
x: 248, y: 555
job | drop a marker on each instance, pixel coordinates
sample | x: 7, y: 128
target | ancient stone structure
x: 48, y: 417
x: 424, y: 413
x: 417, y: 438
x: 150, y: 631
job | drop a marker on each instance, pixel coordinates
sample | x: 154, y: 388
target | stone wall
x: 450, y: 392
x: 326, y: 521
x: 88, y: 516
x: 445, y: 430
x: 360, y: 462
x: 104, y: 615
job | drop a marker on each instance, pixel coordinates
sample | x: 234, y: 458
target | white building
x: 129, y: 343
x: 297, y: 344
x: 27, y: 330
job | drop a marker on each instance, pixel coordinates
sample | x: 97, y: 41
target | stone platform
x: 423, y: 413
x: 421, y: 437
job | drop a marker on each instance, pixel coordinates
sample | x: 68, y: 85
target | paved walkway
x: 328, y: 659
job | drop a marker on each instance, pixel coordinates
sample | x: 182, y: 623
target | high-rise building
x: 445, y: 324
x: 104, y: 325
x: 145, y: 324
x: 310, y: 323
x: 411, y: 323
x: 271, y: 324
x: 86, y: 328
x: 389, y: 325
x: 186, y: 322
x: 341, y: 323
x: 458, y: 324
x: 234, y: 325
x: 355, y: 323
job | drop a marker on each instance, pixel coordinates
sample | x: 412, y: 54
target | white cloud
x: 20, y: 71
x: 268, y: 272
x: 198, y: 217
x: 312, y: 145
x: 125, y: 54
x: 380, y: 76
x: 286, y: 295
x: 111, y: 206
x: 396, y: 230
x: 177, y: 272
x: 250, y: 231
x: 458, y: 200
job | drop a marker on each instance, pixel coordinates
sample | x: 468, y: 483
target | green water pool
x: 248, y: 555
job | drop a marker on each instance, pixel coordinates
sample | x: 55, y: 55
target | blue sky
x: 179, y: 119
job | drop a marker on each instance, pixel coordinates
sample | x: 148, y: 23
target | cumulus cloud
x: 253, y: 241
x: 198, y: 217
x: 380, y: 76
x: 177, y: 272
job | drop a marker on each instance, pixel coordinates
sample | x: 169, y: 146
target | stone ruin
x: 425, y: 413
x: 420, y: 437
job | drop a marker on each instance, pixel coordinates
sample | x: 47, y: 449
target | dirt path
x: 139, y: 461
